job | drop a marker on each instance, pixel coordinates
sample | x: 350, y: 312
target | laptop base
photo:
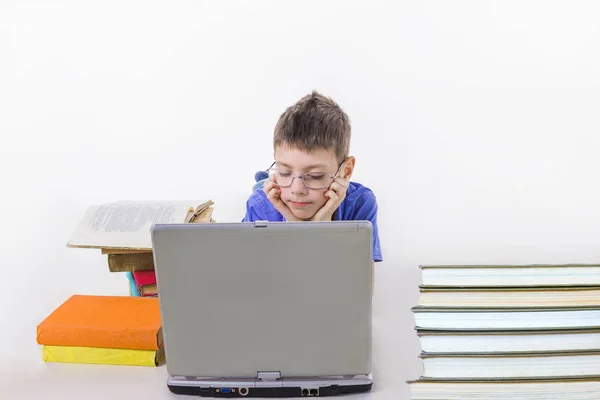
x: 291, y: 387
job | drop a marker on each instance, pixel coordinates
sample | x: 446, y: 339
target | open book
x: 126, y: 224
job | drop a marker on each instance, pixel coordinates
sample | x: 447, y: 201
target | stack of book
x: 121, y: 231
x: 508, y: 332
x: 116, y: 330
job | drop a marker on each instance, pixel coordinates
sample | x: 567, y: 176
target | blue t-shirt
x: 360, y: 204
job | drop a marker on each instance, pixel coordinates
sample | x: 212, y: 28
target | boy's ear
x: 348, y: 167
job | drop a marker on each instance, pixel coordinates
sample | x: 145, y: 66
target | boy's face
x: 319, y: 164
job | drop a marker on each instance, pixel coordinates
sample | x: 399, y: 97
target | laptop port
x: 314, y: 392
x: 225, y: 390
x: 304, y: 392
x: 334, y: 388
x: 243, y: 391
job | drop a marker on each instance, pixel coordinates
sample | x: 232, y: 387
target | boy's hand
x: 337, y: 194
x: 274, y: 195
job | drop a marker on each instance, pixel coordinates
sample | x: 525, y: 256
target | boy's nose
x: 298, y: 185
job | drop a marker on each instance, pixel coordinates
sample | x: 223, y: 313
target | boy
x: 310, y: 178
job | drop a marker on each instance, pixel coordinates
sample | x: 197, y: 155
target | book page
x: 127, y: 224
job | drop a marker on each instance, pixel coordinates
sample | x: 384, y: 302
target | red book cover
x: 143, y: 278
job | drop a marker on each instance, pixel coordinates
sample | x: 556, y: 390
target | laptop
x: 265, y: 309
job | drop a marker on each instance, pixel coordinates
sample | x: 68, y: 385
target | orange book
x: 115, y: 322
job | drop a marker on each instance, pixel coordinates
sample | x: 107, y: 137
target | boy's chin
x: 303, y: 214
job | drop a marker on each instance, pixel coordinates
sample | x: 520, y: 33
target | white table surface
x: 25, y: 376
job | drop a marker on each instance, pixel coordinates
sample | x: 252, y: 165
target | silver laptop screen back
x: 290, y: 297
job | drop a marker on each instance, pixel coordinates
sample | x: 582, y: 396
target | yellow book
x: 96, y: 355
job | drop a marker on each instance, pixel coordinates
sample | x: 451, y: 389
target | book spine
x: 81, y: 337
x: 130, y: 262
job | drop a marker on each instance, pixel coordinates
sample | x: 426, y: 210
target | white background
x: 476, y: 123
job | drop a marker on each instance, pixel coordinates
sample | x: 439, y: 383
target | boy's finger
x: 343, y: 182
x: 332, y: 195
x: 337, y: 187
x: 268, y: 186
x: 273, y: 180
x: 272, y: 194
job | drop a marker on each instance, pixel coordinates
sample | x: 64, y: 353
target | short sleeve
x: 259, y: 208
x: 366, y: 210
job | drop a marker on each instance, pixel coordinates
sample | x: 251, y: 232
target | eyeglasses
x: 312, y: 180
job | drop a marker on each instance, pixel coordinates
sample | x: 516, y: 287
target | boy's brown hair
x: 315, y: 121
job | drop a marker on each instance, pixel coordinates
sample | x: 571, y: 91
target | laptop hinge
x: 260, y: 224
x: 268, y: 379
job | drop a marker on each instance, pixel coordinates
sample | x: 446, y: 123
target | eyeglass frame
x: 331, y: 177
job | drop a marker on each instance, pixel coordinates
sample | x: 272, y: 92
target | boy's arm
x: 259, y: 208
x: 254, y: 209
x: 250, y: 215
